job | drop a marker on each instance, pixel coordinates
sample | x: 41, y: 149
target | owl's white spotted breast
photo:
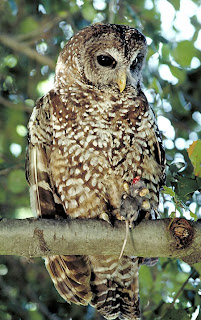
x: 98, y: 145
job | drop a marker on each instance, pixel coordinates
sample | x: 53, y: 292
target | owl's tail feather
x: 115, y: 287
x: 108, y: 283
x: 71, y: 277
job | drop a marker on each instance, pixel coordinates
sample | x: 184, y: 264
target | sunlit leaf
x: 88, y: 11
x: 193, y: 215
x: 194, y: 152
x: 178, y: 73
x: 184, y: 52
x: 197, y: 267
x: 10, y: 61
x: 28, y: 24
x: 169, y: 191
x: 175, y: 3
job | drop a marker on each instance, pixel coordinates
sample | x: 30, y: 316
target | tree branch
x: 44, y: 28
x: 18, y: 106
x: 23, y: 48
x: 40, y: 237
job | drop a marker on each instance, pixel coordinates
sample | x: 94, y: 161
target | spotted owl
x: 90, y: 137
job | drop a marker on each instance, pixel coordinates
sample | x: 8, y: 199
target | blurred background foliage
x: 32, y: 34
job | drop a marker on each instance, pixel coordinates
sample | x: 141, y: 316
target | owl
x: 90, y: 138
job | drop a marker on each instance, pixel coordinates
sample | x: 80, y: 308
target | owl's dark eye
x: 106, y: 61
x: 137, y: 62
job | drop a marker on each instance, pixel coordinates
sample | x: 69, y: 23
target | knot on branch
x: 182, y: 232
x: 40, y: 237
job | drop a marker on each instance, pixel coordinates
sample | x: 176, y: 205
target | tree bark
x: 157, y: 238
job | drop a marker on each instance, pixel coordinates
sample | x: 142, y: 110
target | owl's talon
x: 126, y: 187
x: 124, y: 196
x: 104, y: 216
x: 146, y: 205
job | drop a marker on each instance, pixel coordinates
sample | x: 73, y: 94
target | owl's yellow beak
x: 121, y: 80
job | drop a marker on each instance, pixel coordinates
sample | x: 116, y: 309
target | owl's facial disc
x: 112, y: 65
x: 105, y: 68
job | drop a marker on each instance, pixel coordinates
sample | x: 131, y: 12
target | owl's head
x: 105, y: 56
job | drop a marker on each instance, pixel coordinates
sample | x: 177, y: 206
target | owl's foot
x: 134, y: 200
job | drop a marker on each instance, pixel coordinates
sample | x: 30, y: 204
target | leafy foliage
x: 195, y: 156
x: 32, y: 34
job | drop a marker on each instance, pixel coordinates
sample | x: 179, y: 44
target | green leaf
x: 35, y: 315
x: 175, y: 3
x: 184, y: 52
x: 10, y: 61
x: 28, y: 24
x: 185, y: 187
x: 194, y: 152
x: 179, y: 73
x: 193, y: 215
x: 146, y: 278
x: 2, y: 195
x: 173, y: 314
x: 169, y: 191
x: 165, y: 51
x: 16, y: 181
x: 88, y: 11
x: 197, y: 267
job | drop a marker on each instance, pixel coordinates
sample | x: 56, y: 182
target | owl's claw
x: 126, y: 187
x: 104, y: 216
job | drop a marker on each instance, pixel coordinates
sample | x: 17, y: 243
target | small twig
x: 41, y: 306
x: 12, y: 167
x: 181, y: 289
x: 43, y: 29
x: 18, y: 106
x: 111, y: 17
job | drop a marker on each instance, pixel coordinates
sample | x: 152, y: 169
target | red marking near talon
x: 136, y: 180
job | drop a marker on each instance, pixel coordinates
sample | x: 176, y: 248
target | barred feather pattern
x: 87, y: 138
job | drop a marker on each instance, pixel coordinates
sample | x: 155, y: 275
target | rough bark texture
x: 39, y: 237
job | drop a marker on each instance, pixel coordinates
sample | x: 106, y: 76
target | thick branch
x: 40, y: 237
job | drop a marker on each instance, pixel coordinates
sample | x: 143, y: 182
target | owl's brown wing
x: 44, y: 201
x: 71, y: 277
x: 70, y: 274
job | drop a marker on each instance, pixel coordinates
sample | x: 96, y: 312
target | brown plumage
x: 88, y: 138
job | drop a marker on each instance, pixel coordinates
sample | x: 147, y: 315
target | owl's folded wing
x: 70, y: 274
